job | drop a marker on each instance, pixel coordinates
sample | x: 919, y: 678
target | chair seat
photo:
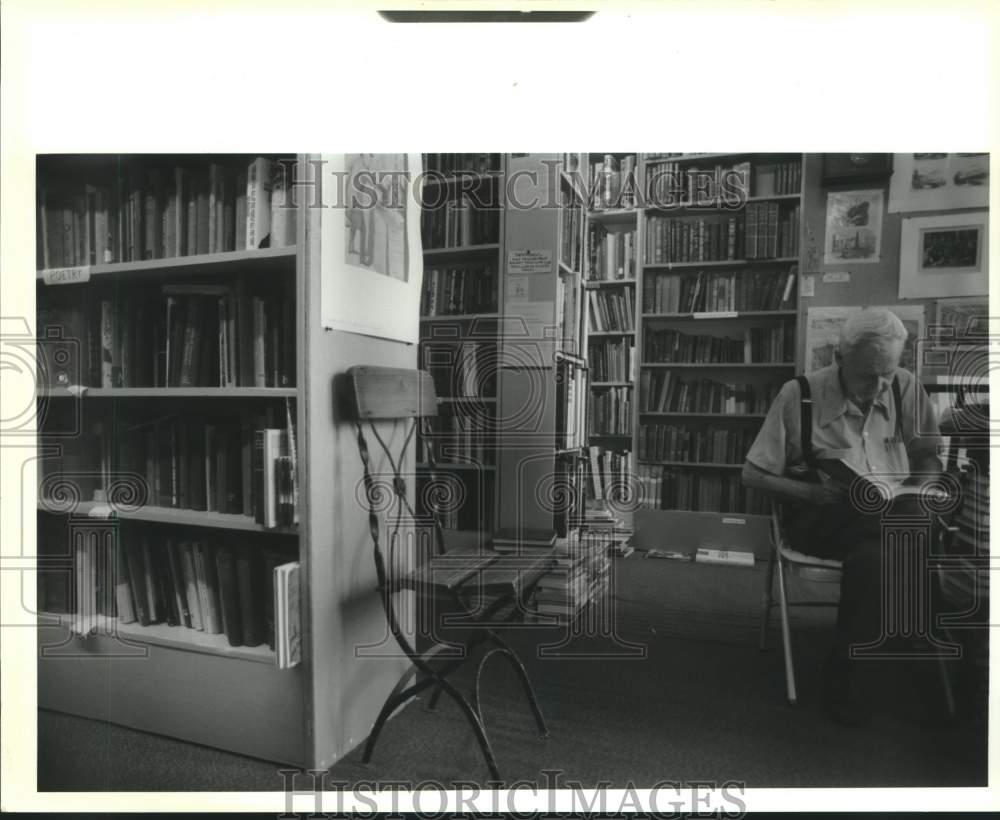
x: 488, y: 573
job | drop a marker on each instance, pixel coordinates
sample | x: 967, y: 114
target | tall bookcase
x: 611, y: 280
x: 463, y: 228
x: 716, y: 336
x: 109, y: 478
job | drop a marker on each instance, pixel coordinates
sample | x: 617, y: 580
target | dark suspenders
x: 806, y: 414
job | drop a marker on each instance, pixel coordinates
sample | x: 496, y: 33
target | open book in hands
x: 892, y: 488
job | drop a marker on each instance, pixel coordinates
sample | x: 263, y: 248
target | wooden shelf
x: 167, y: 515
x: 176, y: 637
x: 614, y: 215
x: 607, y: 283
x: 467, y: 400
x: 463, y: 250
x: 718, y: 365
x: 612, y: 384
x: 723, y: 314
x: 171, y: 392
x: 606, y: 333
x: 610, y: 435
x: 774, y: 197
x: 208, y: 264
x: 727, y: 263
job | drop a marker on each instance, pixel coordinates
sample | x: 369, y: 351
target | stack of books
x: 600, y: 528
x: 580, y: 576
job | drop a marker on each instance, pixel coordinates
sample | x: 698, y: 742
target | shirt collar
x: 831, y: 403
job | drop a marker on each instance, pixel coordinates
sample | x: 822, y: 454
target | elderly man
x: 878, y: 420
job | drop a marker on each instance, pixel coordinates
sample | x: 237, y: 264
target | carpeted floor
x: 703, y: 704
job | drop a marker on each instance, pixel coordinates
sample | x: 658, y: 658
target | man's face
x: 867, y: 370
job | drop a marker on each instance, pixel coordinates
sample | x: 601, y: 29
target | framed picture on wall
x: 939, y: 182
x: 853, y: 227
x: 853, y: 167
x: 944, y: 255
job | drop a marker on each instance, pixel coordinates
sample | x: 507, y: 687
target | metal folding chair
x: 783, y: 560
x: 473, y: 591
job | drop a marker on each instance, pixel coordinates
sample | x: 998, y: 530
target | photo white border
x: 917, y: 284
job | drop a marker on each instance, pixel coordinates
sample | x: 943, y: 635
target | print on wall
x: 945, y: 255
x: 853, y: 227
x: 372, y: 264
x: 939, y: 182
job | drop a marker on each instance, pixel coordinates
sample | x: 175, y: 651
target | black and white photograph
x: 468, y: 475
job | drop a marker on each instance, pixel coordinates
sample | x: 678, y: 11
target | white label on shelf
x: 524, y: 260
x: 734, y: 521
x: 517, y: 288
x: 808, y: 286
x: 836, y: 276
x: 66, y: 276
x: 722, y: 314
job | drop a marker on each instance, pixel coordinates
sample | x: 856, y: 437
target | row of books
x: 719, y: 291
x: 771, y: 230
x: 459, y: 290
x: 612, y: 359
x: 185, y: 462
x: 204, y: 335
x: 610, y: 411
x: 777, y: 179
x: 671, y: 239
x: 463, y: 370
x: 459, y: 224
x: 612, y: 309
x: 612, y: 254
x: 460, y: 439
x: 451, y: 164
x: 613, y: 182
x: 159, y: 212
x: 707, y: 445
x: 670, y: 489
x: 217, y: 588
x: 664, y: 391
x: 609, y: 473
x: 571, y: 248
x: 676, y: 185
x: 774, y: 344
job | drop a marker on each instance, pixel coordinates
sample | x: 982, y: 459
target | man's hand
x: 826, y: 494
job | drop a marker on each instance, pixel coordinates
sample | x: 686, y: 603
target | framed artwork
x: 944, y: 255
x: 823, y: 326
x: 372, y: 265
x: 853, y: 227
x: 962, y: 319
x: 851, y: 167
x: 939, y: 182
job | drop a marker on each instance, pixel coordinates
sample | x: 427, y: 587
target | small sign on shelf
x: 66, y: 276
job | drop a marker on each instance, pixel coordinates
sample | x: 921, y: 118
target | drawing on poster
x: 853, y: 226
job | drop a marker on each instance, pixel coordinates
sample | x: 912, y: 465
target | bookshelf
x: 611, y: 280
x: 462, y: 226
x: 716, y: 335
x: 99, y: 428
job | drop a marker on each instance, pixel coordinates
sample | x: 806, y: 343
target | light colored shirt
x: 840, y: 429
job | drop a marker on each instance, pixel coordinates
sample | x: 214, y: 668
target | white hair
x: 871, y: 327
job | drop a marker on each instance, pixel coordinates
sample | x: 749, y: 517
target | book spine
x: 186, y: 555
x: 229, y: 596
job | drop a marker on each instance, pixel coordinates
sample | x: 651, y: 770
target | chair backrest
x: 397, y: 394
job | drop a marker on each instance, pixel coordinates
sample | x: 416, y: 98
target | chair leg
x: 477, y: 726
x: 765, y: 617
x: 786, y: 634
x: 525, y: 683
x: 398, y: 696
